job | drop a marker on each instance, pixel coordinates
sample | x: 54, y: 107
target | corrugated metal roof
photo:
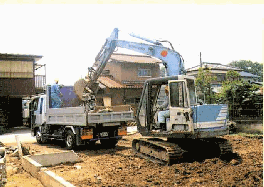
x: 134, y: 58
x: 6, y: 56
x: 216, y: 66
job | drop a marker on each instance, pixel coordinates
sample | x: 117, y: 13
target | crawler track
x: 157, y: 150
x: 166, y: 153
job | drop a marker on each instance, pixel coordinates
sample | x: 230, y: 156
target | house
x: 249, y: 76
x: 17, y: 80
x: 220, y: 71
x: 123, y: 78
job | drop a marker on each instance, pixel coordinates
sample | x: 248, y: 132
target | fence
x: 246, y: 112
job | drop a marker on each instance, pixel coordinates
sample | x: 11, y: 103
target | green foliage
x: 237, y: 92
x: 250, y: 67
x: 204, y: 86
x: 232, y: 75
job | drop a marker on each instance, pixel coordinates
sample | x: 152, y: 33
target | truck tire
x: 109, y: 143
x: 39, y: 137
x: 70, y: 140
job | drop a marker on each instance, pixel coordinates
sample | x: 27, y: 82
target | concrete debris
x: 14, y: 154
x: 3, y: 175
x: 25, y: 150
x: 13, y: 151
x: 78, y: 167
x: 11, y: 170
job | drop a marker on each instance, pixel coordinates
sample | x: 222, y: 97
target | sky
x: 70, y: 36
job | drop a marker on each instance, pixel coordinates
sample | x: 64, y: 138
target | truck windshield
x: 178, y: 94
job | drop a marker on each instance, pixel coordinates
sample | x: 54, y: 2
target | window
x: 144, y: 72
x: 178, y: 94
x: 41, y: 104
x: 132, y: 101
x: 191, y: 87
x: 106, y: 72
x: 220, y: 78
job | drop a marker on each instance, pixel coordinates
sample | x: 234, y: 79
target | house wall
x: 17, y: 87
x: 117, y: 97
x: 16, y: 69
x: 17, y: 78
x: 220, y: 75
x: 125, y: 71
x: 130, y: 71
x: 125, y: 96
x: 115, y: 70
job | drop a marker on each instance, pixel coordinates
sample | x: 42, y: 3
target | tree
x: 250, y: 67
x: 239, y: 94
x: 229, y: 92
x: 203, y: 84
x: 232, y: 76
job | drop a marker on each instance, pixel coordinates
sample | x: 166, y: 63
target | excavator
x: 190, y: 128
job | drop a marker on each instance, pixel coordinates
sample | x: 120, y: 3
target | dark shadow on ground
x: 16, y: 130
x: 91, y: 150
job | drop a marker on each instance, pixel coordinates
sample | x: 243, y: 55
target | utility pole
x: 201, y: 63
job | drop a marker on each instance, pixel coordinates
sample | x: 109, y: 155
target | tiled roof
x: 214, y: 66
x: 246, y: 74
x: 110, y: 83
x: 134, y: 58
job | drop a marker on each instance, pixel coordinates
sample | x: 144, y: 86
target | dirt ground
x: 17, y: 177
x: 119, y: 167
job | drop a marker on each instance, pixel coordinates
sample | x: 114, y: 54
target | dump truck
x: 74, y: 124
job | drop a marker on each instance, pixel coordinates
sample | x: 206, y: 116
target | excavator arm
x: 168, y: 56
x: 102, y: 58
x: 171, y: 59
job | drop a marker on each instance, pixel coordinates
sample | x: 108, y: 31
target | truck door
x: 40, y: 112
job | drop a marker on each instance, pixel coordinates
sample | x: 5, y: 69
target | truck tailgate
x: 66, y: 116
x: 110, y: 117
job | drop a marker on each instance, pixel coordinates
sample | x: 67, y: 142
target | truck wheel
x: 70, y: 140
x: 110, y: 143
x: 39, y: 137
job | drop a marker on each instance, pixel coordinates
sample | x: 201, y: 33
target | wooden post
x: 20, y: 153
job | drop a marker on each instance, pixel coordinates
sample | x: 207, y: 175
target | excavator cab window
x: 143, y: 112
x: 178, y: 95
x: 191, y: 87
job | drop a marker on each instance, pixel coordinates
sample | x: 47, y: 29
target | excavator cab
x: 181, y: 97
x: 189, y: 129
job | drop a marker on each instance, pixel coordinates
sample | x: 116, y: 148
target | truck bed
x: 76, y: 116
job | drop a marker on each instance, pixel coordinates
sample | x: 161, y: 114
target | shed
x: 17, y: 80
